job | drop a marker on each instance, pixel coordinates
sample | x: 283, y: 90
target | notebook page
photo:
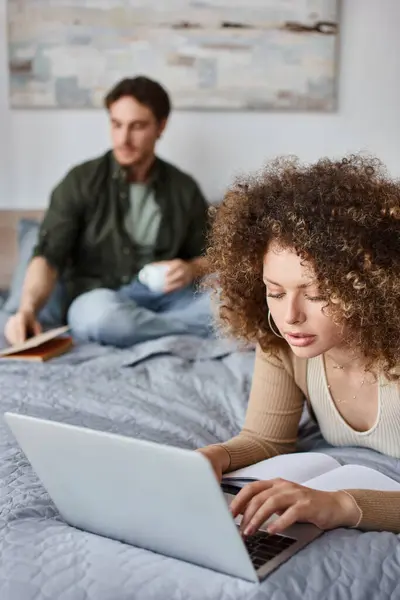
x: 35, y: 341
x: 296, y: 467
x: 353, y: 477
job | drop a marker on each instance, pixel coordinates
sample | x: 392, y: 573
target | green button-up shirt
x: 83, y: 233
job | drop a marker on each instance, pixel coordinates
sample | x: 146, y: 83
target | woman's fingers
x: 260, y: 510
x: 292, y: 502
x: 293, y: 514
x: 258, y: 501
x: 242, y: 499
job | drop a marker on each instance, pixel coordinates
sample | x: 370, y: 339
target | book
x: 311, y: 469
x: 41, y: 347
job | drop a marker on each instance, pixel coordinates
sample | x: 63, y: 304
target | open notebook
x: 314, y: 470
x: 40, y: 347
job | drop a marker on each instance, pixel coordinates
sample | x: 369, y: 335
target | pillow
x: 52, y: 314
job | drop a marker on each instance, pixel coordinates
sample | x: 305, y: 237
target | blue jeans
x: 134, y: 314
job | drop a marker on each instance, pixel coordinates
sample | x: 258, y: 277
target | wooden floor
x: 8, y: 241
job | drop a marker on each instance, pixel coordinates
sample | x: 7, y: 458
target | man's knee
x: 90, y: 313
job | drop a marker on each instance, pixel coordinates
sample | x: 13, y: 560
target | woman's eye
x: 315, y: 298
x: 277, y: 296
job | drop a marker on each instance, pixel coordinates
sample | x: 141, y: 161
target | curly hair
x: 343, y: 219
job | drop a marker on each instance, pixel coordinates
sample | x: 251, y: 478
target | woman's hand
x: 294, y: 503
x: 218, y: 457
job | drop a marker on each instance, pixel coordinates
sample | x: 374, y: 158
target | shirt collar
x: 120, y: 173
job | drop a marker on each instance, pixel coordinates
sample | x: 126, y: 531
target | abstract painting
x: 210, y: 54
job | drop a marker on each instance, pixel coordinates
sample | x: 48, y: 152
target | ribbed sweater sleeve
x: 273, y: 414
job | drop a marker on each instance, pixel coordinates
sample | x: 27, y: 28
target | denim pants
x: 135, y: 314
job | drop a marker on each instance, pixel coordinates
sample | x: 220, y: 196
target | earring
x: 271, y: 326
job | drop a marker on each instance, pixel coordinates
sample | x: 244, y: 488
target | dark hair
x: 343, y: 219
x: 145, y: 91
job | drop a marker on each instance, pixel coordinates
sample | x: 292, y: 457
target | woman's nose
x: 294, y: 314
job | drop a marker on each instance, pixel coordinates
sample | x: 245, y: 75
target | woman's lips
x: 300, y: 339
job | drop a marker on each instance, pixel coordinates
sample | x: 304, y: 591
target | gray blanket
x: 179, y: 391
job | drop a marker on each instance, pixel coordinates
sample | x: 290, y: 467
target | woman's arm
x: 368, y: 510
x: 273, y: 414
x: 379, y: 510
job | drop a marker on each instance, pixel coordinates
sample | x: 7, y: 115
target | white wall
x: 37, y: 147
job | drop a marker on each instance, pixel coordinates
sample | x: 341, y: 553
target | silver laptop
x: 149, y: 495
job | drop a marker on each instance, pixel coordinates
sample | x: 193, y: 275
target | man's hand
x: 21, y: 326
x: 180, y: 274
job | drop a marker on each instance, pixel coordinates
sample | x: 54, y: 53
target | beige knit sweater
x: 275, y: 407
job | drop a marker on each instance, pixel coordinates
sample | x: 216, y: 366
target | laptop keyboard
x: 262, y: 546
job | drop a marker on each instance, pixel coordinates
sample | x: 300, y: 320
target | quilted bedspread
x: 180, y: 391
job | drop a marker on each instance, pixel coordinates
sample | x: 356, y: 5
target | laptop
x: 149, y: 495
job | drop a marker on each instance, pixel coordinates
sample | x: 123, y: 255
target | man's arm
x: 199, y: 267
x: 198, y: 236
x: 191, y: 265
x: 194, y: 245
x: 39, y: 283
x: 62, y: 222
x: 57, y: 237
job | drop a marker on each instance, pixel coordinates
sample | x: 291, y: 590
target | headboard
x: 9, y: 242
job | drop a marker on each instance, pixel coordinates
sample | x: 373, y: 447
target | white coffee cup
x: 153, y: 276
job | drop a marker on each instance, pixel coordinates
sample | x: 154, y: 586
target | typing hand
x: 258, y: 501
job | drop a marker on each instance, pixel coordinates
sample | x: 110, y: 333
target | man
x: 107, y: 219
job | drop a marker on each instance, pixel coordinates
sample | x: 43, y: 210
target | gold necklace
x: 341, y: 367
x: 338, y: 401
x: 338, y: 366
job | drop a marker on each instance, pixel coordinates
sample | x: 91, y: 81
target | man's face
x: 134, y: 131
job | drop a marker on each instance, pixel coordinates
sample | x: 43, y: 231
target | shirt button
x: 126, y: 250
x: 126, y: 279
x: 123, y: 195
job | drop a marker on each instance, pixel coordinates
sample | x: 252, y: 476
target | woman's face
x: 296, y: 304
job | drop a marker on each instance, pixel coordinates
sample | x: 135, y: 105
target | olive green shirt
x: 143, y: 221
x: 84, y: 234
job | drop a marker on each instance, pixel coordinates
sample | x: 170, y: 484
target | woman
x: 308, y: 259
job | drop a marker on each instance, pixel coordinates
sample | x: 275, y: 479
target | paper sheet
x: 35, y: 341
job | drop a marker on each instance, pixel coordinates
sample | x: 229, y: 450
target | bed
x: 181, y: 391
